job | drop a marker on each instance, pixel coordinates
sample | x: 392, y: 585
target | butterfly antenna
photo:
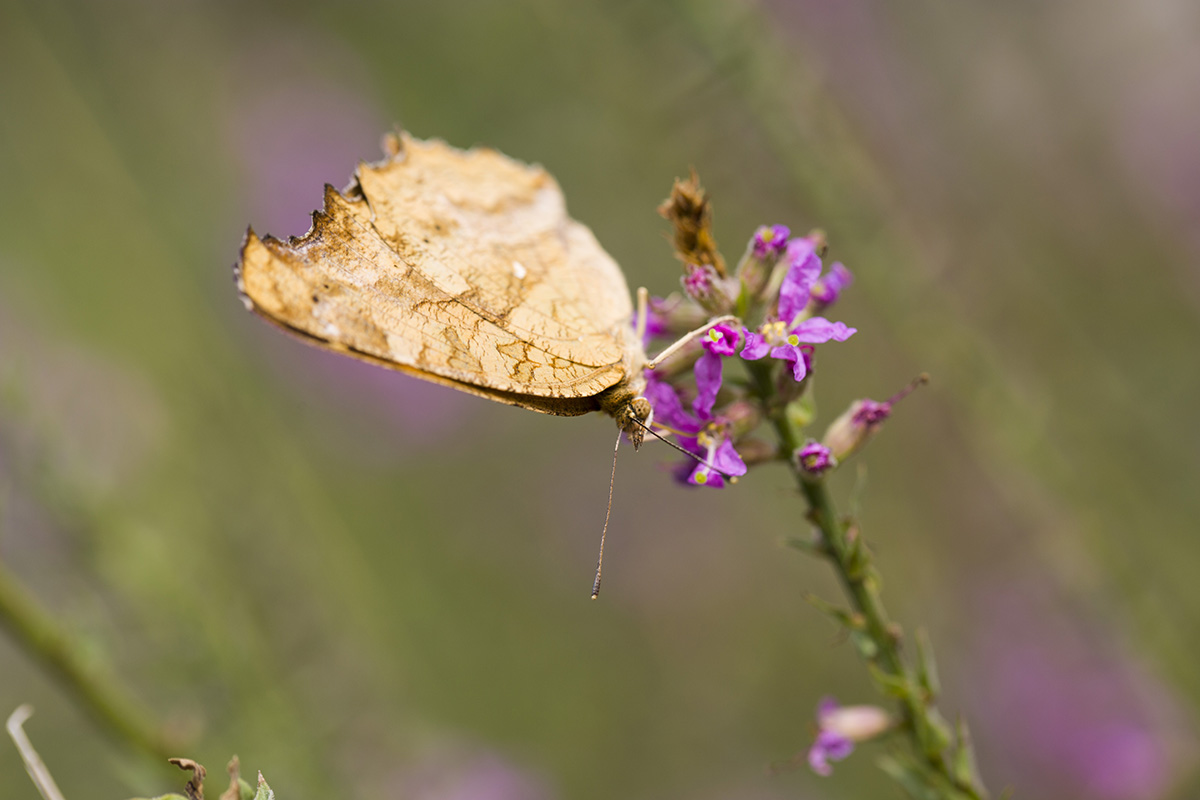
x: 607, y: 514
x: 688, y: 453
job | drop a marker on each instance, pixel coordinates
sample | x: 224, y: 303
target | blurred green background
x: 370, y: 587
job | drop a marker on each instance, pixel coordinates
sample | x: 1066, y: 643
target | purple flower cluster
x: 787, y: 329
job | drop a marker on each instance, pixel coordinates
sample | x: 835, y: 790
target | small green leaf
x: 264, y: 791
x: 966, y: 771
x: 813, y: 546
x: 910, y: 777
x: 865, y: 645
x: 927, y: 674
x: 889, y: 684
x: 858, y: 558
x: 933, y: 732
x: 742, y: 306
x: 919, y: 780
x: 841, y: 616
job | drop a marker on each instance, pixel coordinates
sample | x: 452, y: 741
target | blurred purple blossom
x: 828, y: 746
x: 482, y: 776
x: 293, y: 132
x: 1070, y: 710
x: 293, y: 128
x: 829, y: 286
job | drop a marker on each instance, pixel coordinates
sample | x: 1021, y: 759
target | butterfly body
x: 464, y: 269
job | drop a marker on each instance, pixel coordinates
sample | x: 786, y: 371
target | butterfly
x: 460, y: 267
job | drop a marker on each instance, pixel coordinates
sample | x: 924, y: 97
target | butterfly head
x: 634, y: 419
x: 629, y: 408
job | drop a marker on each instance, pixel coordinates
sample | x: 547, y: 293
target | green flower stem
x: 942, y: 764
x: 42, y: 637
x: 930, y: 736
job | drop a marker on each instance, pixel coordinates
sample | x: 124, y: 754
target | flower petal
x: 795, y: 356
x: 818, y: 762
x: 708, y: 383
x: 668, y: 408
x: 836, y: 746
x: 818, y: 329
x: 756, y: 346
x: 727, y: 460
x: 801, y: 275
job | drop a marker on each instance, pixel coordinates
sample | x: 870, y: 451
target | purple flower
x: 770, y: 240
x: 839, y: 727
x: 814, y: 458
x: 718, y: 341
x: 774, y: 338
x: 825, y: 291
x: 717, y: 451
x: 803, y: 270
x: 704, y: 435
x: 861, y: 420
x: 829, y: 746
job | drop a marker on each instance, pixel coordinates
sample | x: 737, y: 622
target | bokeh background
x: 370, y: 587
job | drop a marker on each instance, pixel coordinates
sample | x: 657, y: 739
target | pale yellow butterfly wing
x: 460, y: 267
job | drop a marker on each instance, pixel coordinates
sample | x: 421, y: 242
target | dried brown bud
x: 690, y: 212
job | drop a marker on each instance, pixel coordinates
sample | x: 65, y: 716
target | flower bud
x: 677, y: 313
x: 839, y: 728
x: 854, y: 427
x: 742, y: 417
x: 765, y: 247
x: 861, y: 420
x: 814, y: 459
x: 702, y: 283
x: 828, y: 287
x: 769, y: 240
x: 856, y: 723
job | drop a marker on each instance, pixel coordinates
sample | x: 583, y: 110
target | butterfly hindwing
x: 461, y: 267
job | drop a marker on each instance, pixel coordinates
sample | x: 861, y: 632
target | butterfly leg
x: 687, y: 337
